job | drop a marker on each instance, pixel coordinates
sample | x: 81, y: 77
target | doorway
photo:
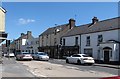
x: 107, y: 54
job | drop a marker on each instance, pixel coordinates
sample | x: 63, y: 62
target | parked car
x: 34, y: 55
x: 80, y: 59
x: 23, y: 56
x: 41, y: 56
x: 10, y: 55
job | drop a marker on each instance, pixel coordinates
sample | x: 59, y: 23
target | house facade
x: 20, y: 42
x: 26, y: 43
x: 50, y: 40
x: 99, y: 39
x: 31, y: 45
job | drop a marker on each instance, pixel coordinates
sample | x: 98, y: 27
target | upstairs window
x: 88, y: 41
x: 61, y: 41
x: 55, y: 41
x: 100, y: 39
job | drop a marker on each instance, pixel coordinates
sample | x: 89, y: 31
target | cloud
x: 25, y: 21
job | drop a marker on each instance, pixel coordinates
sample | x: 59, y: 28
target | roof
x: 24, y: 37
x: 52, y: 29
x: 3, y: 9
x: 105, y: 25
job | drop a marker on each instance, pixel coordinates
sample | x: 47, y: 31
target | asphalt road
x: 87, y: 67
x: 12, y: 69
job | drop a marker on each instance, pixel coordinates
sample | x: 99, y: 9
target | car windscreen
x: 26, y: 53
x: 42, y: 54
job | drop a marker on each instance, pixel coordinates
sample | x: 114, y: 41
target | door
x: 106, y: 56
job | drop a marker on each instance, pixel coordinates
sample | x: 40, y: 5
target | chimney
x: 94, y: 20
x: 22, y: 34
x: 72, y: 23
x: 29, y: 33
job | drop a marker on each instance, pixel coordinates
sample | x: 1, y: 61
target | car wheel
x: 67, y: 61
x: 17, y: 59
x: 78, y: 62
x: 38, y: 58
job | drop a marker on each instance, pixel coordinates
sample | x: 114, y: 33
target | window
x: 42, y: 40
x: 88, y: 41
x: 64, y: 42
x: 61, y: 41
x: 100, y: 39
x: 76, y: 56
x: 47, y: 36
x: 88, y: 52
x: 76, y: 41
x: 85, y: 55
x: 110, y: 53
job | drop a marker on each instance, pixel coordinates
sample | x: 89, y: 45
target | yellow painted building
x: 2, y: 20
x: 3, y: 35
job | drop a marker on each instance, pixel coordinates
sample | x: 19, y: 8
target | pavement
x: 108, y: 65
x: 12, y: 69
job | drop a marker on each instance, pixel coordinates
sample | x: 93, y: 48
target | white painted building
x: 99, y: 39
x: 27, y: 43
x: 31, y: 45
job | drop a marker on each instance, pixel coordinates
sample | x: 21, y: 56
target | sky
x: 39, y: 16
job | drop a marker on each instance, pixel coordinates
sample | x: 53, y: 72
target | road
x: 58, y: 68
x: 52, y: 68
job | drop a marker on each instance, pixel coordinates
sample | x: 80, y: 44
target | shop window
x: 88, y: 52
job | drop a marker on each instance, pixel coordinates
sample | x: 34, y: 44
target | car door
x: 70, y: 59
x: 76, y: 58
x: 73, y: 58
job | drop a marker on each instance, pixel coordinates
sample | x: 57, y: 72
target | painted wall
x: 2, y: 21
x: 70, y: 41
x: 107, y: 35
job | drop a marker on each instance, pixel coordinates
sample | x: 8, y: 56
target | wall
x: 2, y: 21
x: 107, y: 35
x: 70, y: 41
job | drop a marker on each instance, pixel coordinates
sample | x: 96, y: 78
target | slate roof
x: 52, y: 29
x: 105, y: 25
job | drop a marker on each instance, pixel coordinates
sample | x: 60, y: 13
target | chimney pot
x: 72, y: 23
x: 94, y: 20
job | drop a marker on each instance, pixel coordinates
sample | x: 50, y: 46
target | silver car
x: 23, y: 56
x: 41, y: 56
